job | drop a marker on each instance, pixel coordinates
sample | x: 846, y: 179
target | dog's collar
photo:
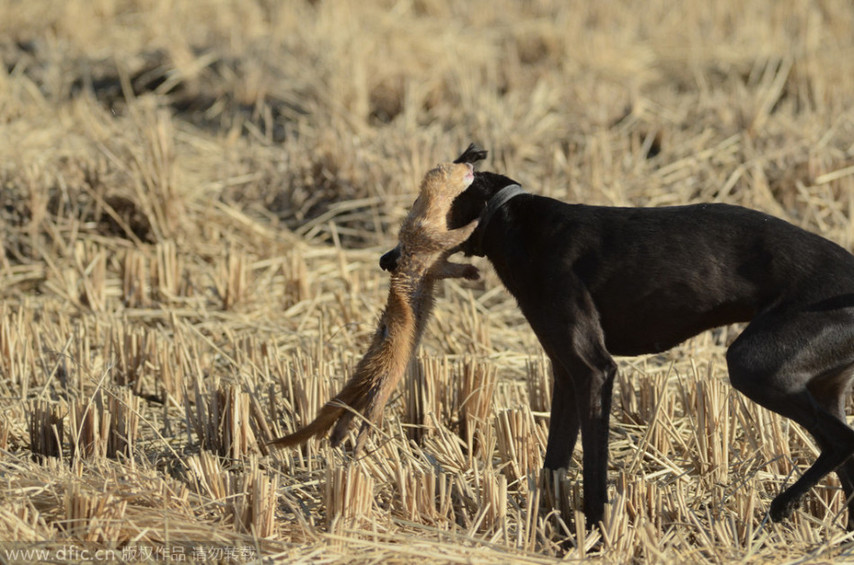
x: 498, y: 200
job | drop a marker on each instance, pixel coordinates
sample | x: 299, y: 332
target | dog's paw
x: 782, y: 507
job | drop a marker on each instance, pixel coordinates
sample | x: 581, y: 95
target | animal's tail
x: 329, y: 414
x: 353, y: 397
x: 376, y: 374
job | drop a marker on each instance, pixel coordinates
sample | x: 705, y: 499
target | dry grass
x: 193, y: 198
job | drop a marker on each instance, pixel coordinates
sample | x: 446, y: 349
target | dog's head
x: 466, y: 207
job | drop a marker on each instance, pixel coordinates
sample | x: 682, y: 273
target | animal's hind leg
x: 779, y: 362
x: 831, y: 391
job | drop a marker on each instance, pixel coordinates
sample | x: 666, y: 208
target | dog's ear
x: 388, y: 262
x: 472, y: 154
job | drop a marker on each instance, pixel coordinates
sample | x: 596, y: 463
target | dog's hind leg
x: 798, y: 364
x: 831, y: 392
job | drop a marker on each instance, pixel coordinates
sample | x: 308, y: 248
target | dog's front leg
x: 568, y: 328
x: 595, y: 385
x: 564, y: 423
x: 592, y: 372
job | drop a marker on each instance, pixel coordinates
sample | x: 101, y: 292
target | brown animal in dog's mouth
x: 425, y: 243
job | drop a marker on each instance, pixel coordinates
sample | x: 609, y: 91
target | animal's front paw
x: 782, y: 507
x: 471, y: 273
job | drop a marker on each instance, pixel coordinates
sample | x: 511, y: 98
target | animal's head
x: 425, y: 228
x: 444, y: 183
x: 468, y: 205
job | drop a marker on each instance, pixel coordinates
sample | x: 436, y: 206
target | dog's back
x: 676, y: 271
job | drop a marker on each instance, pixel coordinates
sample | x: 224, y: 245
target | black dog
x: 600, y: 281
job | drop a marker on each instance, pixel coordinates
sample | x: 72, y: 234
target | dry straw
x: 190, y: 230
x: 46, y: 425
x: 348, y: 498
x: 90, y: 425
x: 225, y: 420
x: 92, y: 516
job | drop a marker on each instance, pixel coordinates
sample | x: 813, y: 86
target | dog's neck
x: 498, y: 200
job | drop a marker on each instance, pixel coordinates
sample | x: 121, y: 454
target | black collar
x: 498, y: 200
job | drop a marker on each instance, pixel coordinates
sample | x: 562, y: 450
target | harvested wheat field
x: 194, y: 197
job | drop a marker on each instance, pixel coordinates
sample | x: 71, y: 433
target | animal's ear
x: 388, y: 262
x: 472, y: 154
